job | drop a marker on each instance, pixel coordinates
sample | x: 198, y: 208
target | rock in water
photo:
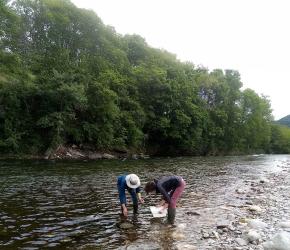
x: 125, y: 225
x: 178, y: 235
x: 280, y: 241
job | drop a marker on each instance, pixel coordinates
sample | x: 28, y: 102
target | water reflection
x: 75, y: 204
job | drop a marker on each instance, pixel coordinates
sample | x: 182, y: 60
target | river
x: 74, y: 205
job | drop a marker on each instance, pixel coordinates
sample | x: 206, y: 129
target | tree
x: 66, y: 78
x: 256, y: 118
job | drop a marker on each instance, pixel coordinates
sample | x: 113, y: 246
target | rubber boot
x: 171, y: 215
x: 135, y: 208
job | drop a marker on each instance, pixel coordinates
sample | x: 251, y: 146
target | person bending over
x: 132, y: 183
x: 171, y: 188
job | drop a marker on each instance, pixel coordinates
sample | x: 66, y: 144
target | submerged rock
x: 178, y: 235
x: 125, y: 225
x: 4, y: 234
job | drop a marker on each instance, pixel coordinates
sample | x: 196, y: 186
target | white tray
x: 156, y: 212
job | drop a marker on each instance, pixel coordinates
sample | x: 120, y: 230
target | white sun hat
x: 132, y: 181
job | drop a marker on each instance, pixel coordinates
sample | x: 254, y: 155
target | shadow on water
x: 75, y: 204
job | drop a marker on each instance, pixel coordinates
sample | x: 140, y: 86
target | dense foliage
x: 66, y: 78
x: 280, y: 140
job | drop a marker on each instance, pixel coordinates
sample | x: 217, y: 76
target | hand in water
x: 125, y: 211
x: 163, y: 208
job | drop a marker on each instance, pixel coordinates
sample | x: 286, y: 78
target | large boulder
x: 280, y: 241
x: 109, y: 156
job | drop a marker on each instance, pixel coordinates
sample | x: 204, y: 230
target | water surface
x: 75, y: 205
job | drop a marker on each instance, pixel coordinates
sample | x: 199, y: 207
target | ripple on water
x: 75, y: 204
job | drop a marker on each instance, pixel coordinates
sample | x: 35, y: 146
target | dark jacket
x: 167, y: 185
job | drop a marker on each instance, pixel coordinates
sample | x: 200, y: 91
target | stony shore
x: 76, y: 153
x: 72, y: 152
x: 259, y: 221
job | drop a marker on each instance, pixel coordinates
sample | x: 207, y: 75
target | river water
x: 74, y: 205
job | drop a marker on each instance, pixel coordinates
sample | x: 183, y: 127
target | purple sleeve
x: 163, y: 192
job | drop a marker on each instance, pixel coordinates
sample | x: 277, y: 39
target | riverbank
x: 87, y: 152
x: 258, y: 218
x: 73, y: 152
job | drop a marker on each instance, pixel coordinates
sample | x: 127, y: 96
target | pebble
x: 223, y: 224
x: 252, y: 236
x: 241, y: 242
x: 205, y: 235
x: 240, y: 191
x: 284, y: 224
x: 254, y: 208
x: 243, y: 220
x: 216, y: 235
x: 193, y: 213
x: 256, y: 224
x: 264, y: 180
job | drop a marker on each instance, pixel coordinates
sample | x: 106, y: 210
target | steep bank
x: 72, y: 152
